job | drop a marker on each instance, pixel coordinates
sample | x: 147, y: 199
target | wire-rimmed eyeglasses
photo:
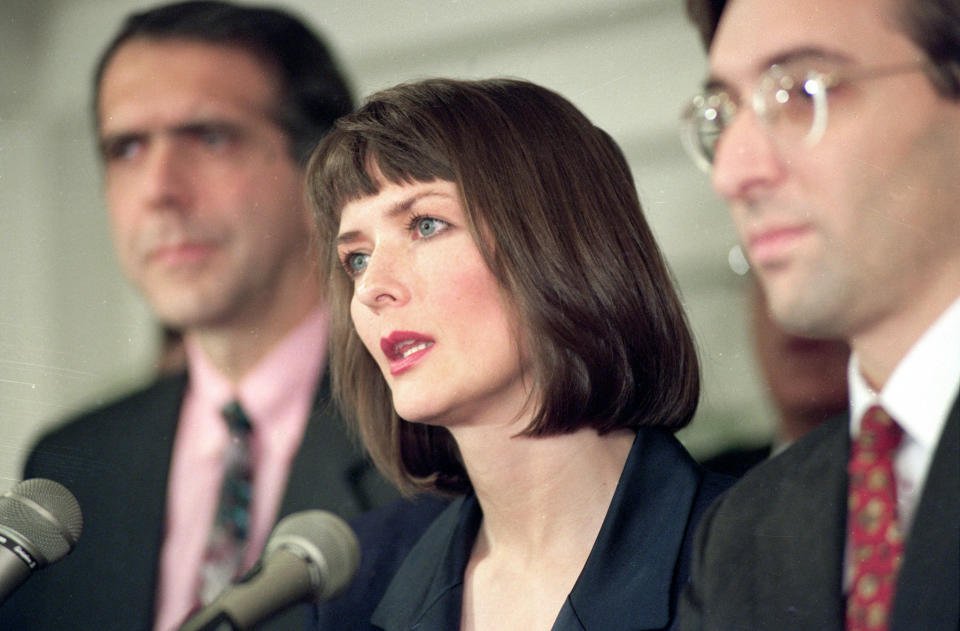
x: 790, y: 102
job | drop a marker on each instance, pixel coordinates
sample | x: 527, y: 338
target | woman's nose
x: 382, y: 284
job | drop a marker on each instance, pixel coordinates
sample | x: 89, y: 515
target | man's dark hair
x: 933, y: 25
x: 312, y: 93
x: 705, y: 15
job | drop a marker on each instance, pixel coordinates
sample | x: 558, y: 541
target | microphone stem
x: 13, y: 568
x: 283, y: 579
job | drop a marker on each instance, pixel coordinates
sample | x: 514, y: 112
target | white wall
x: 72, y: 333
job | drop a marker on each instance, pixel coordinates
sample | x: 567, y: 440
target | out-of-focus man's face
x: 848, y: 232
x: 205, y: 201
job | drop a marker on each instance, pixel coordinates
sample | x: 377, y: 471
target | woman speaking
x: 506, y: 332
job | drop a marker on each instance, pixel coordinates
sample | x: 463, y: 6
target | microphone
x: 40, y: 522
x: 310, y: 555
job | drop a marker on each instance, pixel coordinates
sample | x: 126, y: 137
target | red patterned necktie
x: 874, y: 535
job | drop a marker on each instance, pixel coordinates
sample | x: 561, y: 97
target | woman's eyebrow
x: 398, y: 208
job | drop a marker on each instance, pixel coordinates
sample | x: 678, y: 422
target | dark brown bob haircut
x: 563, y: 233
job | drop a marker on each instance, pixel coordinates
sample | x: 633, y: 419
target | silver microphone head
x: 43, y: 517
x: 327, y: 542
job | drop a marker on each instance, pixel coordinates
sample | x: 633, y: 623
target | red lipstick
x: 405, y: 349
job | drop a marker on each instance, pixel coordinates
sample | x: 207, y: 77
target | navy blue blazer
x: 116, y: 461
x: 631, y: 579
x: 769, y: 554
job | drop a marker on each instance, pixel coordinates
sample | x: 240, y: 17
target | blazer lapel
x: 148, y: 457
x: 426, y: 593
x: 635, y: 556
x: 928, y: 588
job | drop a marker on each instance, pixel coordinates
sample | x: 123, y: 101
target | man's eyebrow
x: 784, y: 58
x: 186, y: 126
x: 201, y: 125
x: 714, y: 84
x: 808, y: 53
x: 108, y: 138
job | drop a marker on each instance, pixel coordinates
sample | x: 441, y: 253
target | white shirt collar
x: 922, y: 387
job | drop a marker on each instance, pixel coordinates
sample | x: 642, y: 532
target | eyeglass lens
x: 791, y: 105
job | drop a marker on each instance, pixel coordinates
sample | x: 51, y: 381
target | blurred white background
x: 72, y: 334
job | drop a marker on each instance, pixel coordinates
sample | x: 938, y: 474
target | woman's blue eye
x: 356, y: 263
x: 426, y: 226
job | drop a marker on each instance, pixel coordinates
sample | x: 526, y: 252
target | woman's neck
x: 544, y: 501
x: 540, y: 493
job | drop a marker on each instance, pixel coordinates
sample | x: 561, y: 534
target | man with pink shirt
x: 205, y: 115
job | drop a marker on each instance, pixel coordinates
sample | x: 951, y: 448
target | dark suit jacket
x: 630, y: 581
x: 737, y: 460
x: 115, y: 461
x: 386, y: 536
x: 769, y: 554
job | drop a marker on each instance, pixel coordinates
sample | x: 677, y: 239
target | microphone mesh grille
x: 329, y: 543
x: 42, y: 537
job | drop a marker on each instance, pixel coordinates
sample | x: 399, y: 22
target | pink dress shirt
x: 277, y: 395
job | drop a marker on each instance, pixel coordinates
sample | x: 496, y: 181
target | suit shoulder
x: 391, y: 531
x: 120, y: 411
x: 793, y: 472
x: 118, y: 432
x: 386, y: 537
x: 396, y: 516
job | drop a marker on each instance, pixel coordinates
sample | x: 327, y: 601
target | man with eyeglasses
x: 832, y: 130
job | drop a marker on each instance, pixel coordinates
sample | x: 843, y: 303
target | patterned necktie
x: 226, y: 545
x: 875, y: 538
